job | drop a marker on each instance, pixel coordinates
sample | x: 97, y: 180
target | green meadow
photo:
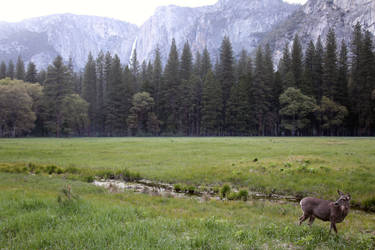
x: 37, y: 213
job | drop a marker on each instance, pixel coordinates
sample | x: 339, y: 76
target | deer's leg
x: 311, y: 220
x: 303, y: 218
x: 333, y: 226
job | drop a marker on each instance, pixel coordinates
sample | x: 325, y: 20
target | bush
x: 89, y: 179
x: 225, y: 190
x: 369, y: 204
x: 232, y: 196
x: 50, y: 169
x: 191, y: 189
x: 243, y: 195
x: 72, y: 170
x: 177, y: 188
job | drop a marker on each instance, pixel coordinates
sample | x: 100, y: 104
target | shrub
x: 191, y: 189
x: 369, y: 204
x: 232, y: 196
x: 225, y: 190
x: 72, y: 170
x: 89, y: 179
x: 177, y: 188
x: 243, y: 195
x: 50, y: 169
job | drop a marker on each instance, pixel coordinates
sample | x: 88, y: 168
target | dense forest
x: 328, y: 89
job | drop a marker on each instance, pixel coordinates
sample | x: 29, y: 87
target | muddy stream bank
x: 168, y: 190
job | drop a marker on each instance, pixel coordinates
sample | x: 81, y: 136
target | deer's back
x: 318, y: 207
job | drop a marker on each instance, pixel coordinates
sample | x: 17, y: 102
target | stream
x: 167, y: 190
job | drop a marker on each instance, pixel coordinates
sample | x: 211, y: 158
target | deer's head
x: 344, y: 200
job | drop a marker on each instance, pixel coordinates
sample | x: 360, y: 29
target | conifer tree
x: 57, y: 87
x: 186, y: 65
x: 238, y: 110
x: 197, y: 65
x: 115, y: 113
x: 31, y: 74
x: 206, y: 63
x: 260, y: 93
x: 243, y: 65
x: 89, y: 92
x: 100, y: 82
x: 169, y: 92
x: 226, y: 73
x: 318, y: 70
x: 307, y: 87
x: 285, y: 65
x: 212, y: 101
x: 341, y: 89
x: 296, y: 62
x: 135, y: 70
x: 42, y: 75
x: 20, y: 69
x: 330, y: 66
x: 3, y: 70
x: 10, y: 70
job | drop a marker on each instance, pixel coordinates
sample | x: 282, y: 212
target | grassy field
x: 31, y: 217
x: 317, y: 166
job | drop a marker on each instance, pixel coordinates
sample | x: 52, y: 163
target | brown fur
x: 335, y: 212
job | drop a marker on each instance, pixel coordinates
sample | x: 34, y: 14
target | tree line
x: 328, y: 89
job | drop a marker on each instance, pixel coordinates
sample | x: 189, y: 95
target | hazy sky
x: 134, y: 11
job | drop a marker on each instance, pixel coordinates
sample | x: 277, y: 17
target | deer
x: 333, y: 211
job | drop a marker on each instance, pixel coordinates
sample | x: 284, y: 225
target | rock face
x: 41, y: 39
x: 248, y: 23
x: 316, y: 17
x: 244, y: 21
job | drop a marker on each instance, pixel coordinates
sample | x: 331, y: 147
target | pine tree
x: 260, y: 93
x: 243, y: 65
x: 296, y: 62
x: 135, y: 70
x: 10, y: 70
x: 89, y: 92
x: 269, y: 75
x: 116, y: 111
x: 307, y: 87
x: 186, y: 65
x: 100, y: 82
x: 20, y: 69
x: 330, y: 66
x: 31, y: 74
x: 169, y: 92
x: 197, y: 66
x: 206, y: 63
x: 238, y: 111
x: 226, y: 73
x: 3, y: 70
x: 341, y: 89
x: 212, y: 101
x: 156, y: 82
x: 285, y: 65
x: 42, y: 75
x: 318, y: 70
x: 57, y: 87
x: 366, y: 86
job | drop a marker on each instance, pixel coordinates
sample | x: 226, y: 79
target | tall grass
x: 32, y: 218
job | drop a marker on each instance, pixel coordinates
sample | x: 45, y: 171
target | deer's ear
x: 339, y: 192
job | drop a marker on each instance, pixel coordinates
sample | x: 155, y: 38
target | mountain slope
x: 316, y: 17
x: 244, y: 21
x: 41, y: 39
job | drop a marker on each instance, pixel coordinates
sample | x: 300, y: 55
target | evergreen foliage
x: 328, y: 91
